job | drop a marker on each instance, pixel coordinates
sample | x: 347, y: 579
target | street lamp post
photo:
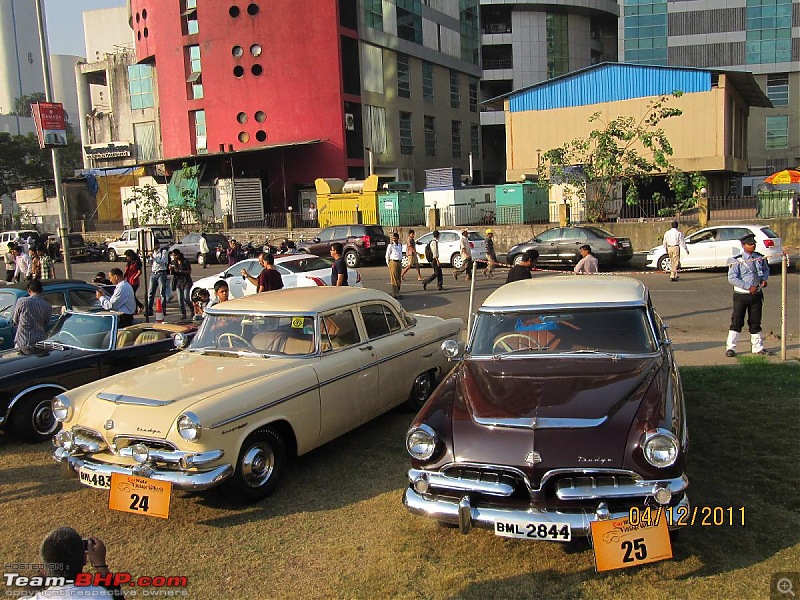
x: 48, y: 95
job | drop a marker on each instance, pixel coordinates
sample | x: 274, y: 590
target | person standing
x: 11, y: 261
x: 32, y: 316
x: 522, y: 270
x: 466, y: 257
x: 122, y: 299
x: 339, y: 268
x: 23, y: 265
x: 588, y: 263
x: 411, y: 254
x: 269, y: 279
x: 181, y: 271
x: 491, y: 255
x: 232, y: 252
x: 158, y: 278
x: 432, y: 254
x: 748, y: 273
x: 394, y: 260
x: 36, y: 264
x: 47, y: 269
x: 312, y: 215
x: 673, y: 242
x: 133, y: 275
x: 204, y: 250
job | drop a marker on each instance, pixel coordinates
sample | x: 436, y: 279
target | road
x: 697, y: 307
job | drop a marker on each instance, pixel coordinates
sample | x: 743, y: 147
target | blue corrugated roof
x: 609, y: 82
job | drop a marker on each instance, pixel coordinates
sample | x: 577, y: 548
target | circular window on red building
x: 238, y: 71
x: 234, y: 11
x: 261, y: 135
x: 261, y: 116
x: 244, y: 137
x: 138, y: 16
x: 256, y: 70
x: 146, y: 32
x: 242, y: 118
x: 252, y: 9
x: 237, y: 51
x: 255, y: 49
x: 144, y: 13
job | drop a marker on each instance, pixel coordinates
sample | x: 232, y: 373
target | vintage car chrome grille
x: 125, y: 441
x: 492, y: 476
x: 601, y: 485
x: 89, y: 440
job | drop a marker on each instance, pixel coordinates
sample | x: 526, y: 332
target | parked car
x: 82, y: 347
x: 713, y: 246
x: 566, y: 408
x: 560, y: 246
x: 63, y: 294
x: 78, y: 250
x: 362, y: 243
x: 297, y: 270
x: 292, y: 369
x: 155, y: 235
x: 449, y: 247
x: 190, y: 246
x: 17, y: 234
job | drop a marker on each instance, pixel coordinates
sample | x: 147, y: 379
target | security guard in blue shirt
x: 748, y: 273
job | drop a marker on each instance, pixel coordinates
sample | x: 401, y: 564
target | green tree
x: 153, y: 208
x: 22, y: 105
x: 23, y: 163
x: 623, y: 151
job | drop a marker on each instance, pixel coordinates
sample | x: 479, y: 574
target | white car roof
x: 302, y: 300
x: 568, y: 291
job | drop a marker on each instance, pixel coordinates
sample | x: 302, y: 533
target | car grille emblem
x: 108, y: 424
x: 533, y: 458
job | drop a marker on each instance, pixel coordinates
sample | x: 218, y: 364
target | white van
x: 155, y: 236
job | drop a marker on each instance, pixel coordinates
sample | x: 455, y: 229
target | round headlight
x: 140, y: 453
x: 62, y: 408
x: 421, y: 442
x: 450, y: 348
x: 189, y: 427
x: 660, y: 448
x: 180, y: 340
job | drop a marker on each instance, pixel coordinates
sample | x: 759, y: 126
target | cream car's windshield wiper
x: 217, y: 351
x: 522, y: 351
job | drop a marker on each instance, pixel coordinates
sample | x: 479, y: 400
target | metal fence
x: 467, y: 214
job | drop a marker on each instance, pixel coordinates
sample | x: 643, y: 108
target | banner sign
x: 51, y: 127
x: 109, y: 151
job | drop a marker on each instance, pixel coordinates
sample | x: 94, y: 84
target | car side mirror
x: 180, y: 340
x: 451, y: 349
x: 317, y: 240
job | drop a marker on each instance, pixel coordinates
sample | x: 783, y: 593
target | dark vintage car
x: 567, y: 408
x: 361, y: 243
x: 82, y: 347
x: 560, y: 246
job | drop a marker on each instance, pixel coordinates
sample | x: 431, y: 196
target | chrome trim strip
x: 442, y: 481
x: 629, y: 304
x: 124, y: 399
x: 323, y: 383
x: 462, y: 513
x: 26, y: 391
x: 182, y: 480
x: 640, y: 488
x: 176, y: 457
x: 541, y: 423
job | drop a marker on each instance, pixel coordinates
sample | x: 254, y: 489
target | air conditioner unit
x: 349, y: 122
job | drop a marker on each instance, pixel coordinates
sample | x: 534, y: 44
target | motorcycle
x: 97, y: 252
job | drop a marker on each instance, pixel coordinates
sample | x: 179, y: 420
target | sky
x: 65, y: 23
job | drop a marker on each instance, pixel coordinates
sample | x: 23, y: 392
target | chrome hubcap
x: 258, y: 464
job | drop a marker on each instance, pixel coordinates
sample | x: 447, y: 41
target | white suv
x: 713, y: 246
x: 129, y: 240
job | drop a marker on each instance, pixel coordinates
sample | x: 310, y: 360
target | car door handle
x: 409, y: 333
x: 367, y: 347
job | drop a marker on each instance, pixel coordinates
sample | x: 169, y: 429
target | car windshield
x: 283, y: 335
x: 7, y: 302
x: 306, y: 264
x: 600, y: 232
x: 82, y: 330
x: 557, y: 331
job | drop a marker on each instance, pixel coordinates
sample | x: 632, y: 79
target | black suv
x: 362, y: 243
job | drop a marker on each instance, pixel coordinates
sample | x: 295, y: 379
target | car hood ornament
x: 533, y: 458
x: 109, y: 424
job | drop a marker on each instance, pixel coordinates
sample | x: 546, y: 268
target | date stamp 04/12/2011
x: 680, y: 516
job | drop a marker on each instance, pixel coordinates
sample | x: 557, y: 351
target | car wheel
x: 351, y: 259
x: 112, y: 255
x: 32, y: 418
x: 664, y: 263
x: 261, y: 463
x: 516, y: 259
x: 456, y: 261
x: 421, y: 390
x: 404, y: 262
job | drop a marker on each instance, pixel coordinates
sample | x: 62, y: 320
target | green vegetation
x: 336, y: 527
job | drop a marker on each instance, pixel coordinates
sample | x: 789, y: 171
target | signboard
x: 618, y: 544
x: 139, y: 495
x: 51, y: 127
x: 109, y: 151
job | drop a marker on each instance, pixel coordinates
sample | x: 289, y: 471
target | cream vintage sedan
x: 267, y: 377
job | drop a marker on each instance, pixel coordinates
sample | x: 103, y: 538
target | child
x: 200, y: 300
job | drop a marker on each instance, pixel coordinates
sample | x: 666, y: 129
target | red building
x: 273, y: 89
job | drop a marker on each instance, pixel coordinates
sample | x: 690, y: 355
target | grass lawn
x: 336, y: 527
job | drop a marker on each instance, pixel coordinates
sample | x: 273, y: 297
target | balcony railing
x: 497, y: 63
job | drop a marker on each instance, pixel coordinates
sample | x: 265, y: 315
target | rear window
x: 769, y: 233
x: 76, y: 239
x: 304, y: 265
x: 474, y: 237
x: 161, y: 232
x: 600, y: 232
x: 375, y: 230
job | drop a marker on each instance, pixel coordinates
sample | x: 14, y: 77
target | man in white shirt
x: 466, y: 257
x: 588, y: 263
x: 204, y: 249
x: 122, y: 300
x: 673, y: 242
x: 394, y: 260
x: 24, y: 264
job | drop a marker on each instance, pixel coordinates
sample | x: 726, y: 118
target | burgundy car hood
x: 547, y: 414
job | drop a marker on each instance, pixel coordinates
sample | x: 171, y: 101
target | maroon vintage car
x: 566, y: 409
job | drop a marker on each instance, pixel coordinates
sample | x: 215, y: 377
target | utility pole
x: 48, y: 95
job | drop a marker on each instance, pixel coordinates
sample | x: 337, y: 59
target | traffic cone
x: 159, y: 311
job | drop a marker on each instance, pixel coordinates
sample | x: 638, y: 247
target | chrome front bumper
x: 466, y: 516
x: 181, y: 480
